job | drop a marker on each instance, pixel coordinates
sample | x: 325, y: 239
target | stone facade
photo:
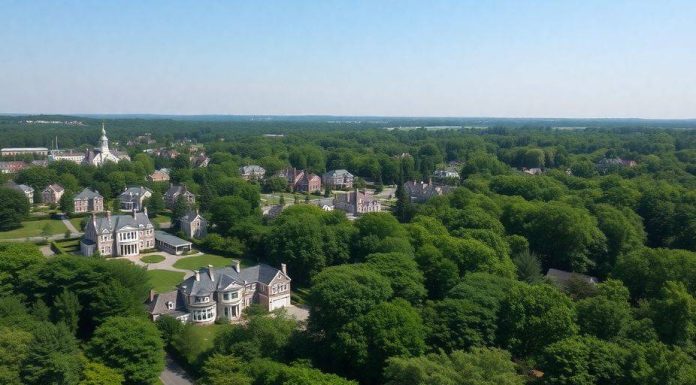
x: 338, y: 179
x: 88, y: 201
x: 132, y: 198
x: 422, y: 191
x: 223, y: 293
x: 52, y: 194
x: 173, y: 194
x: 194, y: 225
x: 357, y: 203
x: 118, y: 235
x: 252, y: 172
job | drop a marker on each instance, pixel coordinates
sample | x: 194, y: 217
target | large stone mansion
x: 223, y: 293
x: 118, y: 235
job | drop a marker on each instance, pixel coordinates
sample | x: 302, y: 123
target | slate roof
x: 111, y: 223
x: 190, y: 216
x: 339, y: 172
x: 159, y: 303
x: 136, y: 191
x: 88, y: 193
x: 176, y: 189
x: 55, y: 187
x: 21, y: 187
x: 251, y: 169
x: 228, y: 276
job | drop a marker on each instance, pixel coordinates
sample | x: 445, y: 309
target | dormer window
x: 170, y: 305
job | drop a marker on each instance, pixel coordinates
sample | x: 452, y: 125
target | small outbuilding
x: 171, y: 243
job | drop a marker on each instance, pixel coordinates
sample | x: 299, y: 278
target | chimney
x: 152, y: 295
x: 134, y: 212
x: 108, y: 215
x: 236, y: 265
x: 284, y: 268
x: 197, y: 274
x: 211, y: 272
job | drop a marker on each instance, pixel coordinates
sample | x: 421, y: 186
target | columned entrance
x: 129, y: 250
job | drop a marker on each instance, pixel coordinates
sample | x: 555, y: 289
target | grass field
x: 163, y: 280
x: 192, y: 263
x: 152, y: 259
x: 76, y: 222
x: 34, y: 229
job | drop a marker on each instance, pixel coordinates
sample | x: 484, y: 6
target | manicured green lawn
x: 163, y: 280
x: 34, y: 229
x: 76, y: 222
x: 152, y: 259
x: 192, y: 263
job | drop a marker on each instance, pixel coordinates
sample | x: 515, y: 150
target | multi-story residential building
x: 338, y: 179
x: 223, y: 293
x: 24, y: 189
x: 194, y: 225
x: 422, y: 191
x: 161, y: 175
x: 292, y: 175
x: 52, y: 194
x: 132, y: 198
x: 88, y: 201
x: 309, y: 183
x: 176, y: 191
x: 12, y: 167
x: 252, y: 172
x: 301, y: 180
x: 69, y: 155
x: 118, y: 235
x: 14, y: 151
x: 357, y: 203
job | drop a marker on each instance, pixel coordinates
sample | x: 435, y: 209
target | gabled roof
x: 338, y: 173
x: 190, y: 216
x: 226, y: 277
x: 88, y: 193
x: 136, y: 191
x: 159, y: 303
x: 55, y: 187
x: 176, y: 190
x: 21, y: 187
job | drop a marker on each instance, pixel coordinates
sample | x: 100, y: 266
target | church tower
x: 103, y: 141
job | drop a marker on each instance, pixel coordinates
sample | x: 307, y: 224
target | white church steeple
x: 103, y: 141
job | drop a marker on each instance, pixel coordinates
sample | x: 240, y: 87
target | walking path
x: 74, y: 232
x: 167, y: 264
x: 173, y: 374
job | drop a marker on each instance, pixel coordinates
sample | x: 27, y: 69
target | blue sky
x: 588, y: 58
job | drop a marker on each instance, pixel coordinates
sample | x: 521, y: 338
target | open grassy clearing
x: 164, y: 280
x: 34, y: 229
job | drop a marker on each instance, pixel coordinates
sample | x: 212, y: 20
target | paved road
x: 173, y: 374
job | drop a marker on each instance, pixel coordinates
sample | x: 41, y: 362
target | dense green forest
x: 450, y: 291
